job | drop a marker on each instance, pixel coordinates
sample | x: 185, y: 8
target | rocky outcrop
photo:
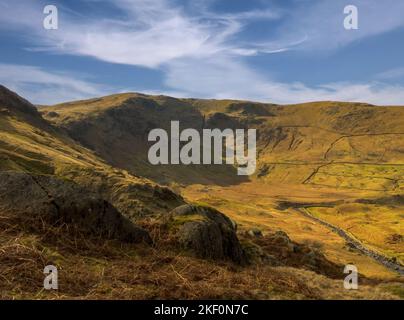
x: 278, y: 249
x: 206, y: 232
x: 58, y: 201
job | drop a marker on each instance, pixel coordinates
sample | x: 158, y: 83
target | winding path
x: 356, y: 244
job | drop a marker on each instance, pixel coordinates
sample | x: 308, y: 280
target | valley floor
x: 255, y: 205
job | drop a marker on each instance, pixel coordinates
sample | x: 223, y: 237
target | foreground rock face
x: 59, y: 201
x: 206, y: 232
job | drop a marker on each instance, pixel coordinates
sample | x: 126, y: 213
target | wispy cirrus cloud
x: 44, y: 87
x: 321, y: 22
x: 198, y: 50
x: 243, y: 83
x: 146, y: 33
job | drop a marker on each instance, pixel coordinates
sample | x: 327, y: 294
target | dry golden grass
x: 254, y: 205
x: 91, y: 268
x: 373, y: 225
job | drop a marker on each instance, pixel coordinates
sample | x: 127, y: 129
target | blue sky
x: 285, y: 51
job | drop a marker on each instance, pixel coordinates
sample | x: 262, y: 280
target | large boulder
x: 206, y: 232
x: 59, y: 201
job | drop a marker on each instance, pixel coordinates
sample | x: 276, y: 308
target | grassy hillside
x: 339, y: 144
x: 340, y: 161
x: 116, y: 128
x: 344, y: 147
x: 30, y: 144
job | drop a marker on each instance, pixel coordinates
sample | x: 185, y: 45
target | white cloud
x: 225, y: 78
x: 198, y: 51
x: 43, y: 87
x: 148, y: 33
x: 322, y: 22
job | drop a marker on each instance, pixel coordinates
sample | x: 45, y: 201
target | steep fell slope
x: 28, y: 143
x: 348, y: 145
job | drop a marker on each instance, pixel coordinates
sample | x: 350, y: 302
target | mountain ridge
x: 335, y: 160
x: 280, y: 128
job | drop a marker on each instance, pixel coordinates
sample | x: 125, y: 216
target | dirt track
x: 356, y: 244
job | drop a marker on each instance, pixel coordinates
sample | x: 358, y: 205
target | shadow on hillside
x: 214, y: 174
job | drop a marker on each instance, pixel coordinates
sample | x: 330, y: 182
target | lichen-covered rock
x: 60, y: 201
x: 206, y: 232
